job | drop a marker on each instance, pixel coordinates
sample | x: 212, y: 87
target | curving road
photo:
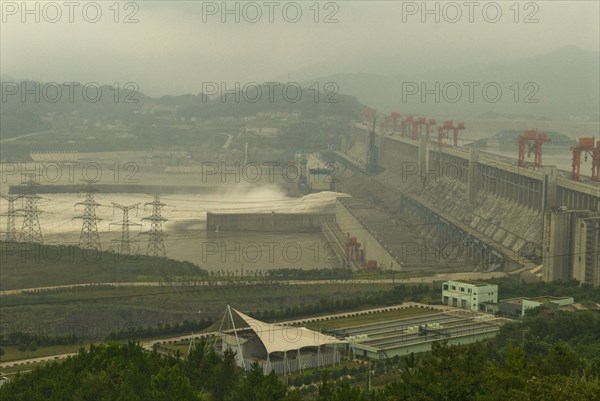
x: 14, y: 138
x: 413, y: 280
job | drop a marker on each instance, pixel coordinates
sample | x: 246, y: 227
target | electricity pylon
x: 31, y: 231
x: 156, y: 245
x: 89, y: 237
x: 11, y: 227
x: 125, y: 245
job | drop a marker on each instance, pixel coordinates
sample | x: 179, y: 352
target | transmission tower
x: 125, y: 246
x: 156, y: 245
x: 89, y: 237
x: 31, y: 231
x: 11, y: 227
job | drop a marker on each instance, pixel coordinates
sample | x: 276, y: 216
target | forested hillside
x: 544, y: 358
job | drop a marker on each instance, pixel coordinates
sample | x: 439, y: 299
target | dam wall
x: 372, y: 248
x: 268, y: 222
x: 490, y: 203
x: 421, y: 162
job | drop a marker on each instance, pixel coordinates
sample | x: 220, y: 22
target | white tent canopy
x: 274, y: 337
x: 278, y: 338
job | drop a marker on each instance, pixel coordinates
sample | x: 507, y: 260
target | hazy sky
x: 175, y: 46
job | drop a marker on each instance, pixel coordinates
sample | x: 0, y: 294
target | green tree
x: 170, y: 384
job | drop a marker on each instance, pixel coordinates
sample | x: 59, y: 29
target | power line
x: 31, y: 231
x: 89, y: 237
x: 156, y: 245
x: 125, y: 246
x: 11, y: 228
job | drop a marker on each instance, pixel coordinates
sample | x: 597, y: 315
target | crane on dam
x: 445, y: 128
x: 533, y: 140
x: 587, y: 146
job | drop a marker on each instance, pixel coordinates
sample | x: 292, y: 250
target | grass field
x: 181, y: 346
x: 29, y: 266
x: 95, y: 312
x: 12, y: 353
x: 13, y: 370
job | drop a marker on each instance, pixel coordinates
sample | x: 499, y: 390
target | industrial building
x: 387, y: 339
x: 275, y: 348
x: 469, y: 294
x: 518, y: 307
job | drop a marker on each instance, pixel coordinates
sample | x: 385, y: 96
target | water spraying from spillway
x: 59, y: 209
x: 318, y: 202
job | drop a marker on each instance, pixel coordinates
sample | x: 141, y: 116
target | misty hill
x: 566, y: 85
x: 68, y: 102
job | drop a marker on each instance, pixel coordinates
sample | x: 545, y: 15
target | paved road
x: 14, y: 138
x: 413, y: 280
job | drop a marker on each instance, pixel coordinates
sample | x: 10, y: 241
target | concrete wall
x: 398, y: 155
x: 533, y: 188
x: 369, y: 244
x: 510, y: 308
x: 578, y: 195
x: 586, y: 250
x: 320, y: 176
x: 556, y: 252
x: 267, y: 222
x: 580, y: 271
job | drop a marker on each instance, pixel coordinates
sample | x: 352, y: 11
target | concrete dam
x: 479, y: 207
x: 267, y: 222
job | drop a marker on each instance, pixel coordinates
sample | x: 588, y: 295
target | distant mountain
x: 565, y: 83
x: 30, y: 114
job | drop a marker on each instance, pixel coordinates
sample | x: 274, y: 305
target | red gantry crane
x: 404, y: 124
x: 352, y: 249
x: 417, y: 127
x: 367, y: 116
x: 394, y: 116
x: 587, y: 146
x: 430, y: 123
x: 533, y: 140
x: 445, y: 129
x: 390, y: 123
x: 385, y: 124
